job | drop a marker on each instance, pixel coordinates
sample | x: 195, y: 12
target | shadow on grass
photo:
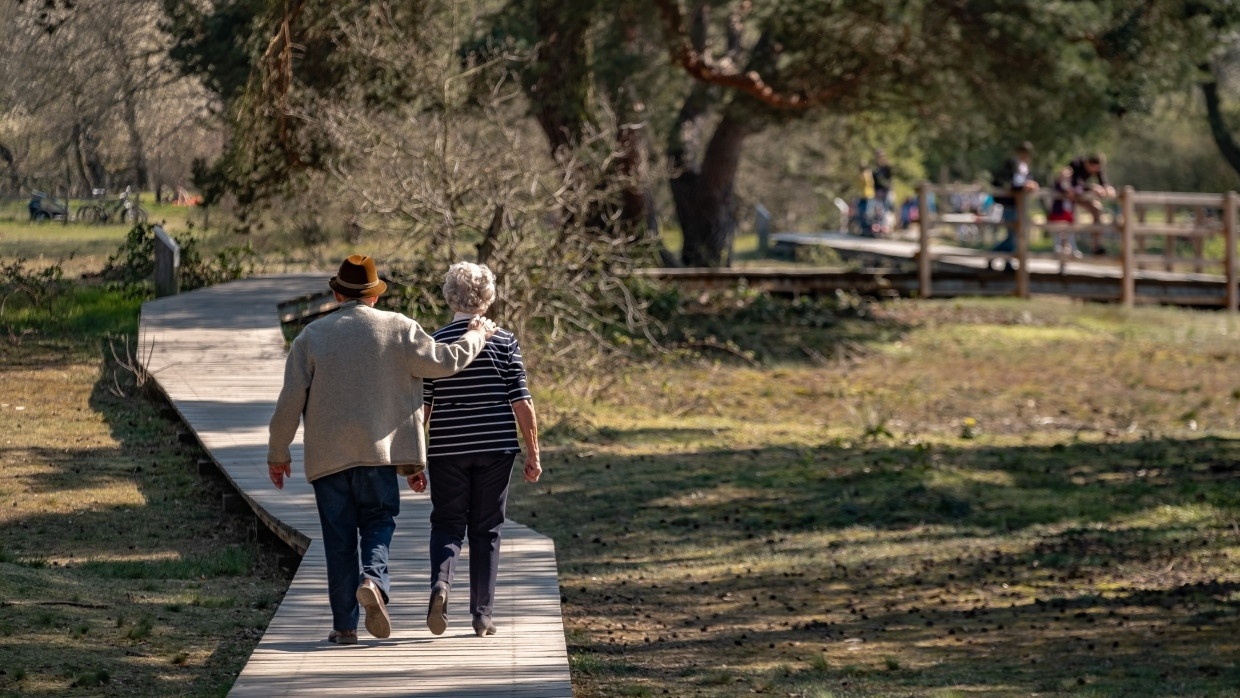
x: 1009, y: 569
x: 128, y: 576
x: 995, y: 490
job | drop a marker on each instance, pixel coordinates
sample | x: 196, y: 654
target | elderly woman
x: 474, y: 417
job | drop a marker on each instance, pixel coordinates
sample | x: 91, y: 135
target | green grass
x: 1078, y: 538
x: 230, y: 561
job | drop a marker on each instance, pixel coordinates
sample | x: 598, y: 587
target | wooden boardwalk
x: 977, y: 259
x: 218, y: 354
x: 965, y: 271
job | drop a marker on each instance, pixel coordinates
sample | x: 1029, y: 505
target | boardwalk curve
x: 218, y: 354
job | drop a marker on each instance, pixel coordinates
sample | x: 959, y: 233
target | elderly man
x: 355, y: 376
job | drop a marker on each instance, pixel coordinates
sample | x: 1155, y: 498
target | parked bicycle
x: 123, y: 210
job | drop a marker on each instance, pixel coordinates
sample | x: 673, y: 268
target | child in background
x: 1063, y: 211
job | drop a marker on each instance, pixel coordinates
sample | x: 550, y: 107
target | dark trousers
x: 357, y: 510
x: 469, y: 493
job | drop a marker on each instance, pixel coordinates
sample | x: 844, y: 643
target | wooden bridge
x: 218, y: 354
x: 1168, y: 248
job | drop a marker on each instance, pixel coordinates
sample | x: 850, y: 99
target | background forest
x: 425, y: 121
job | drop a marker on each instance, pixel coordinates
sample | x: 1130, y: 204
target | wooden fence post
x: 1230, y: 202
x: 167, y: 264
x: 1142, y: 240
x: 924, y: 223
x: 1128, y: 283
x: 1022, y: 244
x: 1170, y: 242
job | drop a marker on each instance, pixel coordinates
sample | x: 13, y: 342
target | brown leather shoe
x: 377, y: 621
x: 343, y: 637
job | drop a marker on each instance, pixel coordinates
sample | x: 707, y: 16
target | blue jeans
x: 469, y: 493
x: 357, y: 510
x: 1008, y: 244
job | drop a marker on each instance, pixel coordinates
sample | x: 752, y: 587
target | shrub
x: 39, y: 286
x: 133, y: 264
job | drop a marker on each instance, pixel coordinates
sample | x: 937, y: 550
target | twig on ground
x: 707, y: 344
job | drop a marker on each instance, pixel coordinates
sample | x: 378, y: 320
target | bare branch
x: 696, y: 64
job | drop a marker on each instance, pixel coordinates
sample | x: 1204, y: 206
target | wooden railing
x: 1179, y: 221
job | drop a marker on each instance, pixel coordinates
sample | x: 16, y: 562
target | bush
x: 133, y: 264
x: 38, y: 286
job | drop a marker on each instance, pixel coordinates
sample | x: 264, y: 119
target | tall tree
x: 88, y: 80
x: 971, y: 71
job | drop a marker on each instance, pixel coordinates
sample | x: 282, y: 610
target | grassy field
x: 78, y: 247
x: 995, y: 498
x: 120, y: 574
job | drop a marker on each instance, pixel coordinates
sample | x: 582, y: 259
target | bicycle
x: 123, y: 210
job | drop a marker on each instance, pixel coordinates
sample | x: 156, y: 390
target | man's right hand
x: 278, y: 471
x: 484, y: 325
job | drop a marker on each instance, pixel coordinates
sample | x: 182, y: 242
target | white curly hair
x: 469, y: 288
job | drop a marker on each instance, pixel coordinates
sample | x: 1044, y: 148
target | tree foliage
x: 679, y: 88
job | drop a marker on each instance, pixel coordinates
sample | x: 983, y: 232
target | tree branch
x: 698, y: 66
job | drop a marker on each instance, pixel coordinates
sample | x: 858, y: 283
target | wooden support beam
x: 1128, y: 284
x: 1229, y: 250
x: 1022, y: 244
x: 925, y: 222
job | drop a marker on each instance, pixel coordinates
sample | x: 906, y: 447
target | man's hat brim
x: 369, y: 291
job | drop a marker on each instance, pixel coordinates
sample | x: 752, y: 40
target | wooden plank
x: 218, y: 354
x: 1162, y: 198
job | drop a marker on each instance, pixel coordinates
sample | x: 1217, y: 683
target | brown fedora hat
x: 357, y: 278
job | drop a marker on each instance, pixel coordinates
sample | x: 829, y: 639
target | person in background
x: 352, y: 376
x: 1088, y: 194
x: 862, y: 212
x: 474, y: 419
x: 882, y: 184
x: 1013, y: 177
x: 1063, y: 211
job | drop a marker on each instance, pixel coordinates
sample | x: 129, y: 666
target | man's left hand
x: 417, y: 483
x: 278, y: 471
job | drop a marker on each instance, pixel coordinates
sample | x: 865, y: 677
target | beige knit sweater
x: 356, y: 377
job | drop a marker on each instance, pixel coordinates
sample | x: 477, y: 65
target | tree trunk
x: 139, y: 170
x: 706, y: 201
x: 10, y: 162
x: 560, y: 89
x: 1227, y: 146
x: 638, y: 201
x: 78, y: 158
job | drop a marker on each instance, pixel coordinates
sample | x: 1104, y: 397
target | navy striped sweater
x: 471, y: 411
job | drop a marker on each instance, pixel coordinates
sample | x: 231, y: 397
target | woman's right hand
x: 484, y: 325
